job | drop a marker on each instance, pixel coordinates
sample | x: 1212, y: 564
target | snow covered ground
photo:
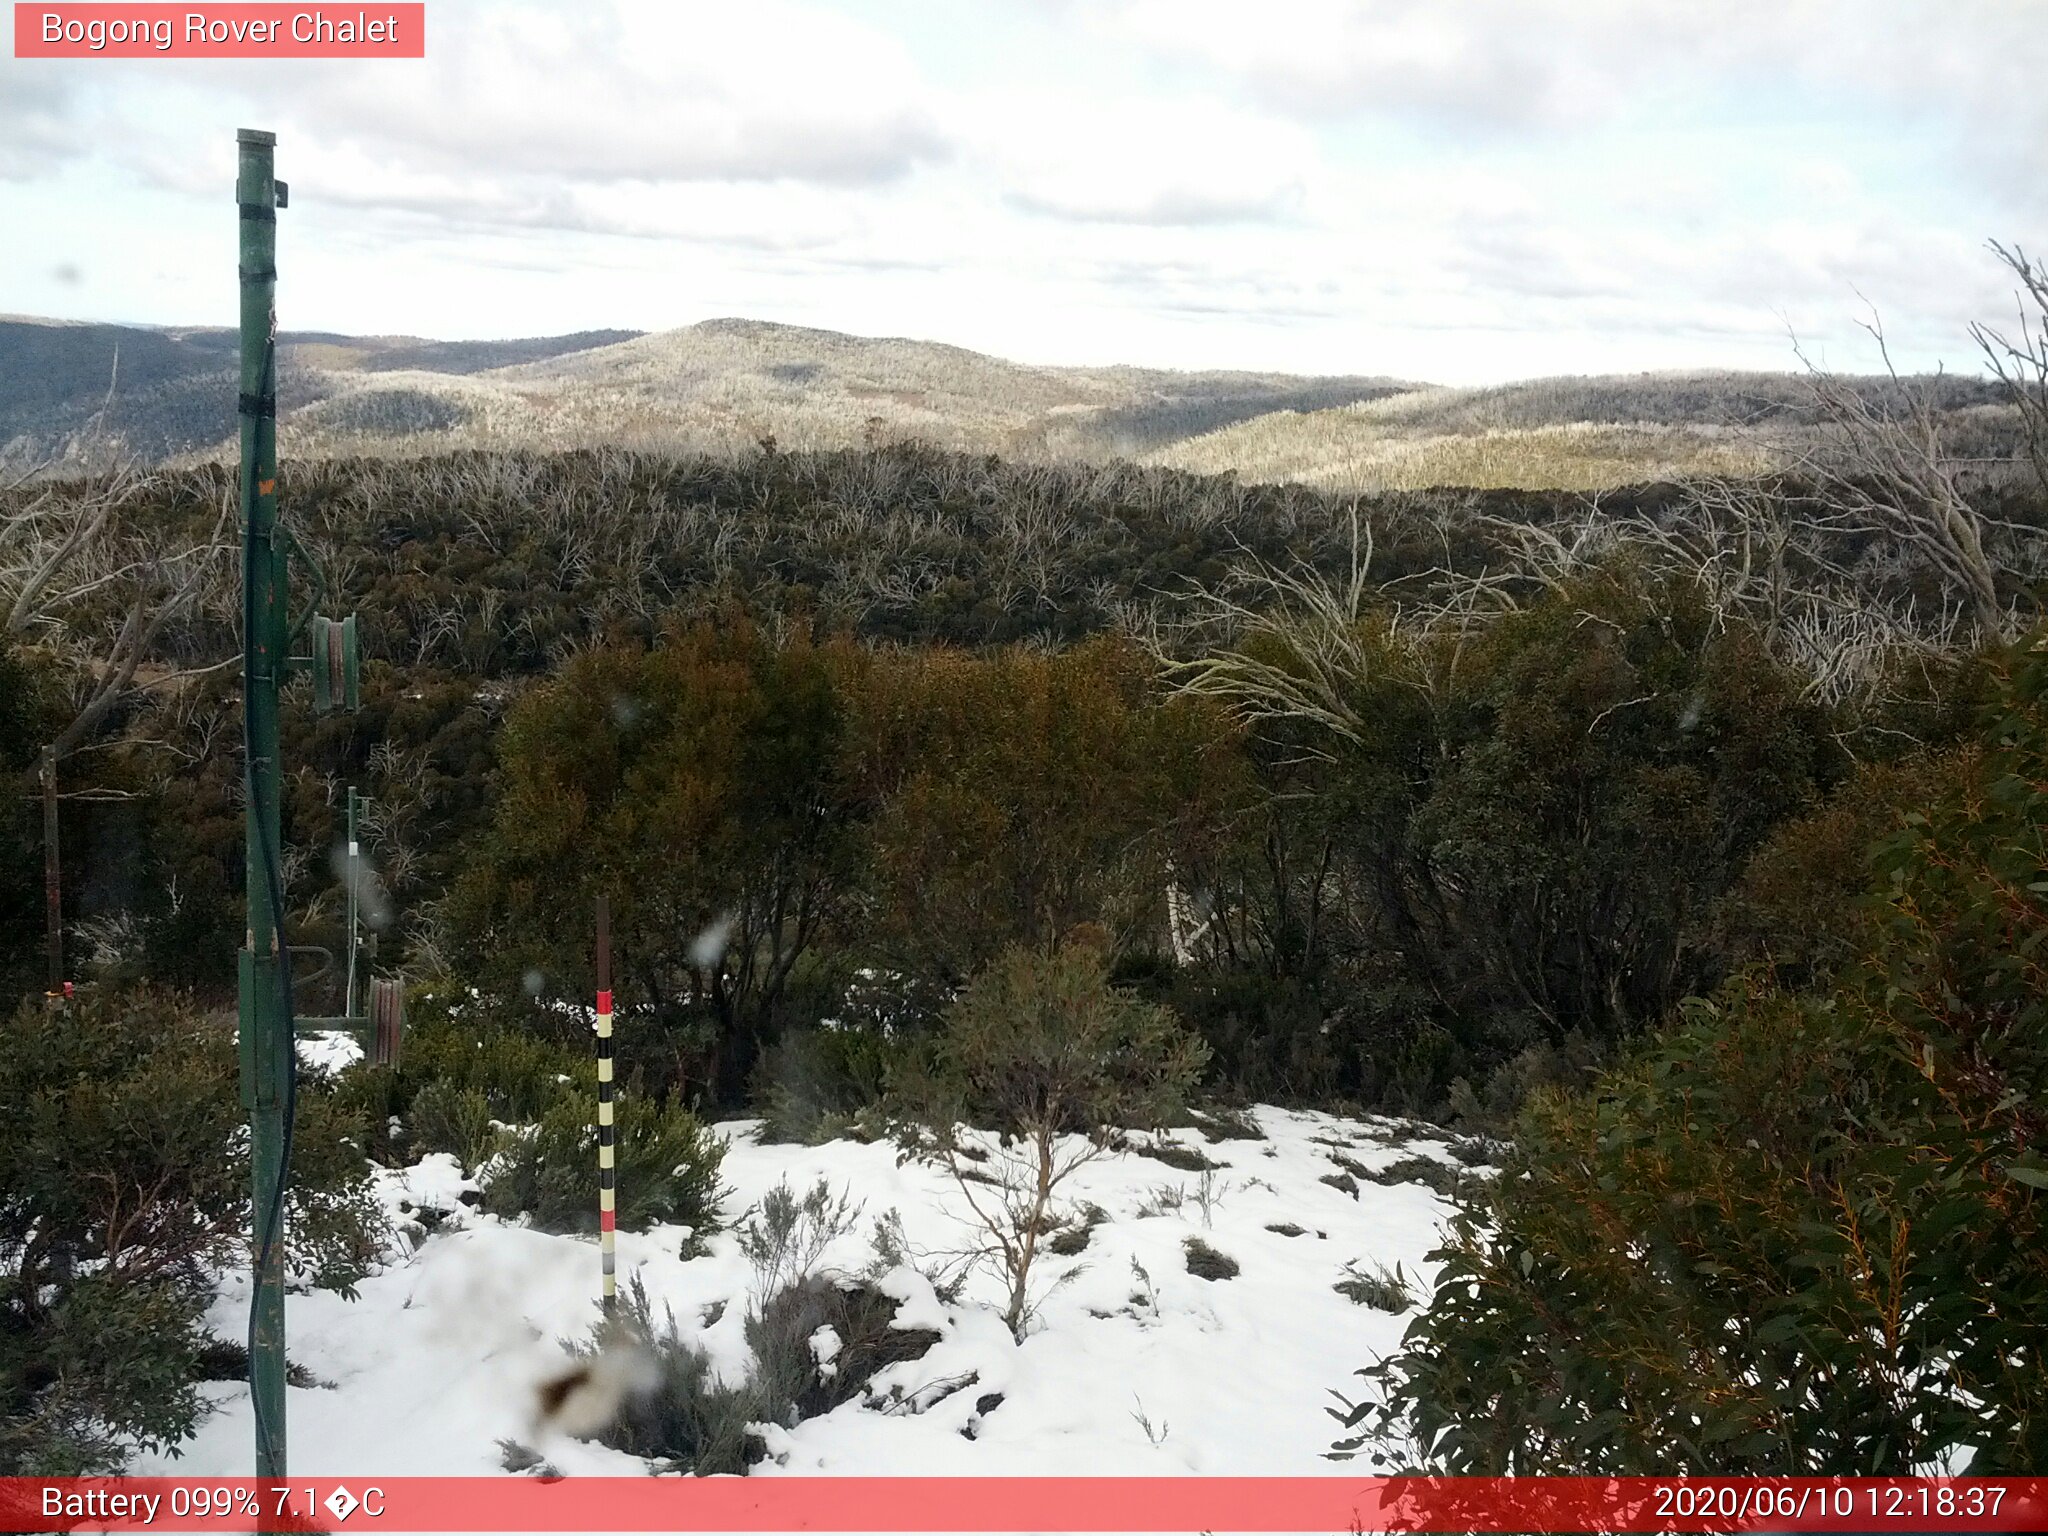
x: 1133, y: 1365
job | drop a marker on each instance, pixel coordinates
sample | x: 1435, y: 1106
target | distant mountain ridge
x: 729, y: 385
x: 719, y: 384
x: 174, y: 386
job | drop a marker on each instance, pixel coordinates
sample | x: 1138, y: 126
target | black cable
x: 270, y: 1222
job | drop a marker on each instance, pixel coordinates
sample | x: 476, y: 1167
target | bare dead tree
x: 82, y: 582
x: 1885, y: 470
x: 2020, y: 358
x: 1756, y: 552
x: 1302, y: 643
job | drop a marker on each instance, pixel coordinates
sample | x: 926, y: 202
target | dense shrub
x: 27, y: 721
x: 518, y: 1073
x: 1623, y: 754
x: 820, y: 1083
x: 678, y: 1412
x: 784, y: 1335
x: 1798, y: 909
x: 124, y: 1178
x: 694, y: 784
x: 681, y: 1414
x: 1796, y: 1232
x: 1265, y: 1034
x: 1474, y: 850
x: 667, y: 1163
x: 447, y: 1117
x: 1015, y: 796
x: 467, y: 1062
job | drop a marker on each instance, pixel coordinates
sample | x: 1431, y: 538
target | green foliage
x: 821, y: 1083
x: 1019, y: 796
x: 475, y: 574
x: 1490, y: 1107
x: 515, y: 1071
x: 449, y: 1118
x: 1042, y: 1049
x: 1040, y: 1044
x: 694, y: 784
x: 1474, y: 849
x: 1797, y: 909
x: 1622, y: 753
x: 684, y: 1416
x: 466, y: 1063
x: 1795, y: 1232
x: 27, y: 722
x: 1714, y: 1264
x: 667, y: 1163
x: 1265, y: 1033
x: 520, y: 1111
x: 125, y: 1177
x: 337, y: 1224
x: 750, y: 802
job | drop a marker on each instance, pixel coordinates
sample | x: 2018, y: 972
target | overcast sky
x: 1429, y: 188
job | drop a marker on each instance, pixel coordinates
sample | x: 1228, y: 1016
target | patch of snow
x: 447, y: 1349
x: 329, y: 1050
x: 825, y: 1347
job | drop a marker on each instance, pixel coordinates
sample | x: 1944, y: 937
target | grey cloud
x: 1167, y: 207
x: 1474, y: 68
x: 759, y: 148
x: 39, y: 127
x: 1488, y: 68
x: 601, y: 94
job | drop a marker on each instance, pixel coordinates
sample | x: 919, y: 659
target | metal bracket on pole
x: 380, y: 1031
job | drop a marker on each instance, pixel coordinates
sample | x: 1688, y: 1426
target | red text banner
x: 84, y: 31
x: 1015, y: 1504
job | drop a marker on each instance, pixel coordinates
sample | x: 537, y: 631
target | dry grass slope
x: 722, y: 386
x: 1348, y: 450
x: 1581, y: 434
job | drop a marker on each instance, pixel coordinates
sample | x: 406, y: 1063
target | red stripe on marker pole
x: 604, y: 1002
x: 607, y: 1221
x: 1007, y: 1504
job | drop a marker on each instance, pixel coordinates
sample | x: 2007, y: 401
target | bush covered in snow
x: 815, y: 1336
x: 683, y: 1416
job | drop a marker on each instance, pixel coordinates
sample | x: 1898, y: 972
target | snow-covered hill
x: 1132, y: 1364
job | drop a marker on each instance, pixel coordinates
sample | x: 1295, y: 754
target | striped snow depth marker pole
x: 607, y: 1167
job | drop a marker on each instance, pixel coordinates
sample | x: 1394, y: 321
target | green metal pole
x: 265, y: 1013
